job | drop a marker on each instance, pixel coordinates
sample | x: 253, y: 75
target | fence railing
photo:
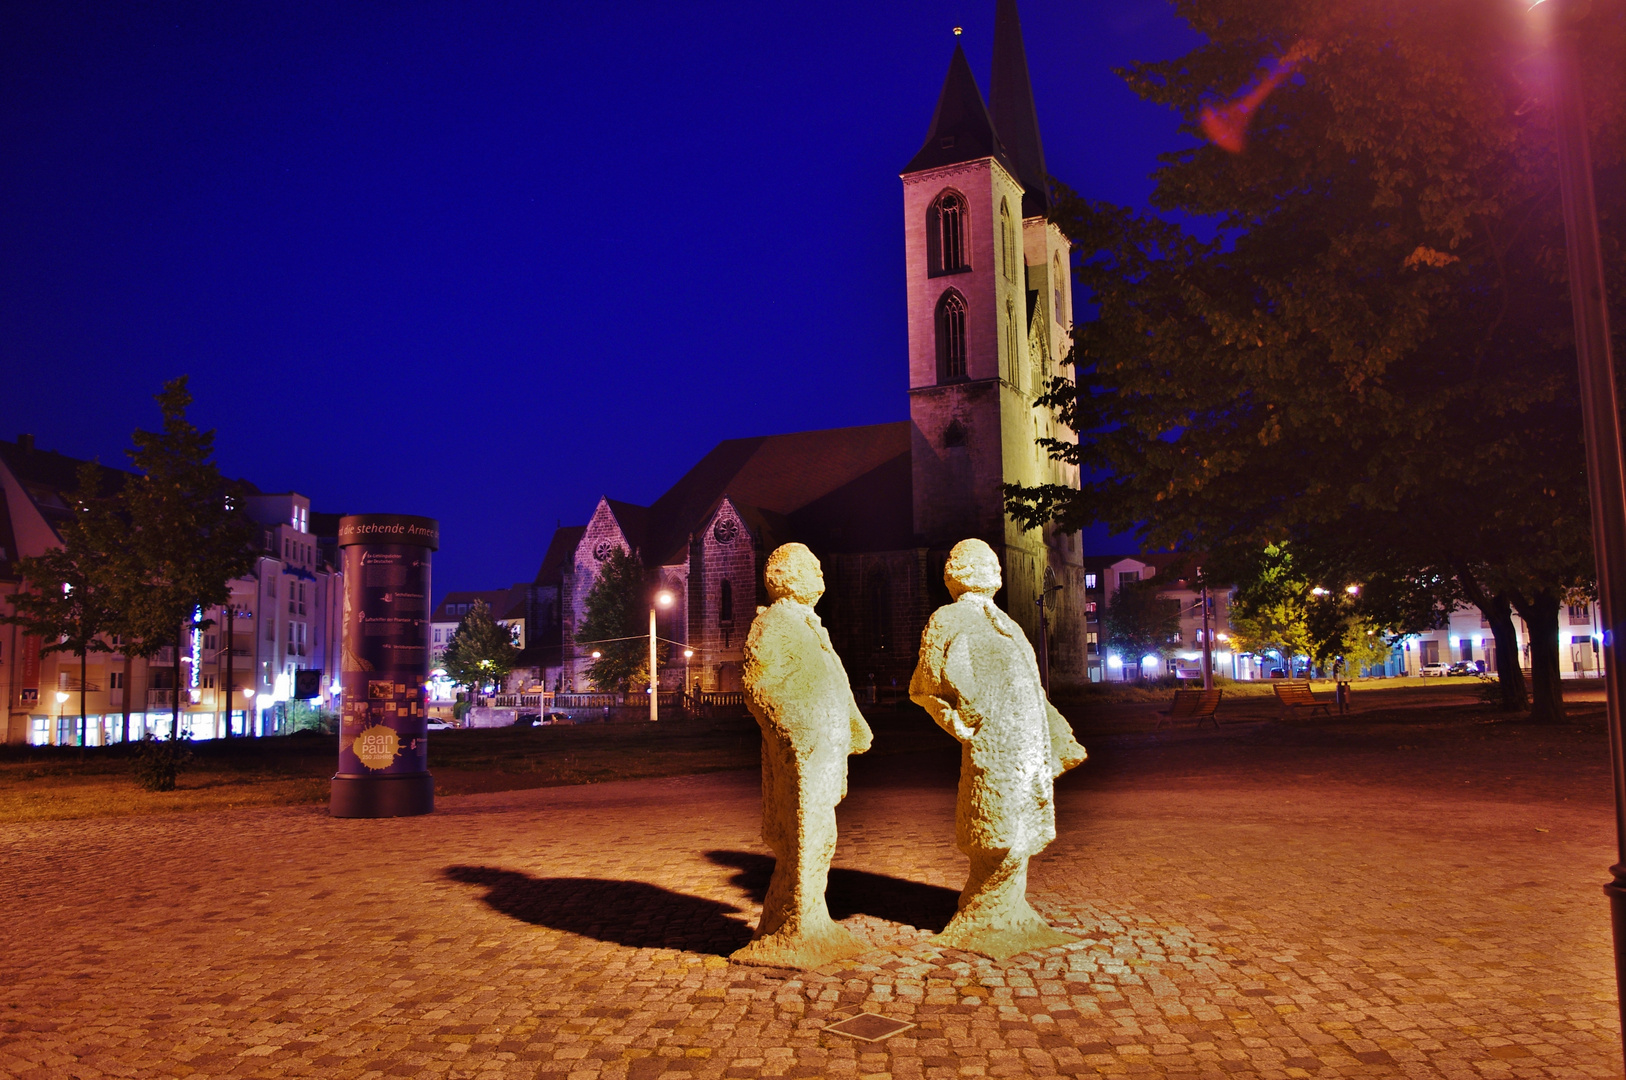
x: 539, y: 702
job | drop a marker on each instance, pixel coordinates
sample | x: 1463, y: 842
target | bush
x: 159, y: 761
x: 303, y: 716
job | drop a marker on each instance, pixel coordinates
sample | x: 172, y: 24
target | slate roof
x: 777, y: 474
x: 1010, y: 106
x: 961, y: 129
x: 560, y: 554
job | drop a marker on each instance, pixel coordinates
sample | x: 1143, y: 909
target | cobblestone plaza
x: 1252, y: 902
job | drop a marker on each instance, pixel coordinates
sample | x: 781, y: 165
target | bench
x: 1293, y: 696
x: 1198, y: 705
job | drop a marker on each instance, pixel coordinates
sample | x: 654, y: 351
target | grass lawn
x: 43, y: 783
x: 39, y: 783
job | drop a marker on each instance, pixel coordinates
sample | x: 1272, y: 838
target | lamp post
x: 1560, y: 22
x: 662, y: 599
x: 688, y: 654
x: 248, y: 709
x: 1047, y: 586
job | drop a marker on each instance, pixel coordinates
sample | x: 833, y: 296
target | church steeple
x: 1010, y: 101
x: 961, y: 130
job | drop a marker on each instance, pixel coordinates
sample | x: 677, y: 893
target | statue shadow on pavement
x: 631, y: 913
x: 854, y: 892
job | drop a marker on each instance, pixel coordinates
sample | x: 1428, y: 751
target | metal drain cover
x: 869, y: 1027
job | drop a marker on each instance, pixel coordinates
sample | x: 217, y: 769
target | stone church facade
x: 989, y: 309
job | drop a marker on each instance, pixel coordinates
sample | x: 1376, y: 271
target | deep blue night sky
x: 489, y: 261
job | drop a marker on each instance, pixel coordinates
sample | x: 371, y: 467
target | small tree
x: 481, y: 651
x: 1140, y: 623
x: 188, y: 536
x: 69, y: 604
x: 614, y: 625
x: 1271, y: 610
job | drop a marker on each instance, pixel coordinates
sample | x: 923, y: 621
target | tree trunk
x: 1509, y: 670
x: 1498, y: 611
x: 1540, y: 614
x: 84, y: 724
x: 129, y: 670
x: 174, y: 700
x: 231, y: 640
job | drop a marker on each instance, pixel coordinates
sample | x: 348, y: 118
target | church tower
x: 990, y: 302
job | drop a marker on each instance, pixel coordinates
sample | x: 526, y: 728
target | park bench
x: 1198, y: 705
x: 1296, y: 695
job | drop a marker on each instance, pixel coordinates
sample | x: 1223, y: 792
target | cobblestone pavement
x: 1242, y: 915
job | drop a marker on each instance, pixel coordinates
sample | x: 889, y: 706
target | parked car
x: 1463, y: 667
x: 1434, y: 669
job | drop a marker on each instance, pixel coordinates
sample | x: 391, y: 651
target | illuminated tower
x: 989, y: 296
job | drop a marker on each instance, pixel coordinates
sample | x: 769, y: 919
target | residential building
x: 281, y: 623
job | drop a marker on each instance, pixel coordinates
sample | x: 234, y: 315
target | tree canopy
x: 615, y: 625
x: 1376, y: 341
x: 1141, y: 623
x: 481, y: 652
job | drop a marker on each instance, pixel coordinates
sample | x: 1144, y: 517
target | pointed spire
x: 1010, y: 101
x: 961, y: 130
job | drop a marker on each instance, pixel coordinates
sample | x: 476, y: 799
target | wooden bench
x: 1198, y: 705
x: 1295, y: 695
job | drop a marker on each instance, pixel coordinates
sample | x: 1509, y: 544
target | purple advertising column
x: 383, y: 730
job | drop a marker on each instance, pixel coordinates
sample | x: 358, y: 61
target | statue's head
x: 793, y: 571
x: 972, y: 568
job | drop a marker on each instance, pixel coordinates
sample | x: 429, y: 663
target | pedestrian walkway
x: 1258, y: 908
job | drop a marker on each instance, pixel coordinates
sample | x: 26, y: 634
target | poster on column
x: 384, y: 669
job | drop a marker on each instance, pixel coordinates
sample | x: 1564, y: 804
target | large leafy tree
x: 615, y: 626
x: 1270, y: 613
x: 187, y: 536
x: 1141, y: 623
x: 481, y: 652
x: 1376, y: 341
x: 69, y: 602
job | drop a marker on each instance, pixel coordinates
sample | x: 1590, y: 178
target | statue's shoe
x: 802, y: 951
x: 1001, y: 942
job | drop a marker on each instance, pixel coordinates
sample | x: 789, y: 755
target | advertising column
x: 384, y: 667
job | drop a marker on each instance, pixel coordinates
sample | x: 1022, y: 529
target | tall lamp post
x: 663, y: 599
x: 1561, y: 22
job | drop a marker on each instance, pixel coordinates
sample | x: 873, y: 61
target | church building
x: 989, y: 316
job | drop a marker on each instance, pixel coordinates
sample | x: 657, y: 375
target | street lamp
x: 1559, y: 21
x: 663, y: 599
x: 248, y: 710
x: 688, y: 654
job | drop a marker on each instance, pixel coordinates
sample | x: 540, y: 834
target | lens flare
x: 1226, y: 126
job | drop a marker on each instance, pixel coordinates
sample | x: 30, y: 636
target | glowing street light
x: 662, y: 599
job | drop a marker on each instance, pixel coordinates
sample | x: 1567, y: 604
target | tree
x: 1141, y: 623
x: 1271, y: 609
x: 481, y: 651
x: 1377, y: 342
x: 187, y: 536
x: 68, y: 601
x: 614, y: 624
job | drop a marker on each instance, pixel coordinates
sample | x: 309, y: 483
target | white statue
x: 798, y: 691
x: 979, y: 680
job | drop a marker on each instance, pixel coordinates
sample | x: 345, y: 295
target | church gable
x: 723, y: 580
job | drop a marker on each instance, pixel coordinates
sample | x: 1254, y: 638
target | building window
x: 115, y: 680
x: 945, y: 234
x: 437, y: 637
x: 1092, y: 644
x: 1013, y: 363
x: 1059, y: 290
x: 1089, y: 581
x: 1007, y: 241
x: 725, y: 603
x: 951, y: 337
x: 1089, y: 607
x: 1128, y: 577
x: 1580, y: 613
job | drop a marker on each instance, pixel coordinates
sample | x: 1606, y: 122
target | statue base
x: 802, y: 952
x: 381, y: 796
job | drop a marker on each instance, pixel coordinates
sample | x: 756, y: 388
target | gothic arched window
x: 725, y: 603
x: 1013, y: 363
x: 950, y: 337
x: 945, y: 234
x: 1059, y: 284
x: 1007, y: 241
